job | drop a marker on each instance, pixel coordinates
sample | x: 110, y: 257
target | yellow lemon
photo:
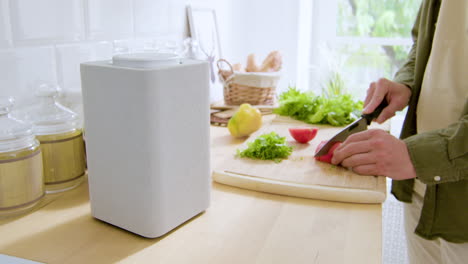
x: 245, y: 121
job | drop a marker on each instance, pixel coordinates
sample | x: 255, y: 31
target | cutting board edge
x: 319, y: 192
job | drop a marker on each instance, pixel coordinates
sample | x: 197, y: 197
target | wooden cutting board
x: 300, y: 175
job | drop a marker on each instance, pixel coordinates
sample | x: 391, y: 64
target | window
x: 362, y: 40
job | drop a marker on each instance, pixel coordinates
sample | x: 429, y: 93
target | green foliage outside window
x: 379, y: 18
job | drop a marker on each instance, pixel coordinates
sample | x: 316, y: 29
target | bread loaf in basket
x: 255, y: 88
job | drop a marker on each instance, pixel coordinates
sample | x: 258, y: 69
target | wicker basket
x: 255, y: 88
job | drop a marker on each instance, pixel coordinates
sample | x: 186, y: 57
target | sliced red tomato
x: 303, y: 135
x: 327, y: 157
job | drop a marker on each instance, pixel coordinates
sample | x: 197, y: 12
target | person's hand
x: 375, y: 152
x: 397, y: 96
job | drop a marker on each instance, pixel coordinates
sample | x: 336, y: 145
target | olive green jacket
x: 442, y: 153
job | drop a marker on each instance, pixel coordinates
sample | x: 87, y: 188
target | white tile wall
x: 44, y: 21
x: 5, y: 32
x: 69, y: 57
x: 46, y: 40
x: 22, y: 68
x: 110, y: 19
x: 151, y: 17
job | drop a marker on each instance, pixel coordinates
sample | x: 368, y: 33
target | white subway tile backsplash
x: 46, y: 40
x: 69, y: 58
x: 5, y: 32
x: 23, y: 68
x: 109, y: 19
x: 151, y: 17
x: 45, y: 21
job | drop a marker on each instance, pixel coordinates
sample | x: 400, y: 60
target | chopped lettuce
x: 267, y: 147
x: 334, y: 108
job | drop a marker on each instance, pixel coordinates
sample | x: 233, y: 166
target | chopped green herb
x: 267, y: 147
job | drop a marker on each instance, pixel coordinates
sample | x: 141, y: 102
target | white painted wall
x: 262, y: 26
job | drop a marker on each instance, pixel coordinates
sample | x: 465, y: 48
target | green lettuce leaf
x: 332, y: 107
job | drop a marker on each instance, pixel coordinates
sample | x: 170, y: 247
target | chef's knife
x: 357, y: 126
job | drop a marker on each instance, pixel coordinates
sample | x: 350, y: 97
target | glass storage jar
x: 21, y: 171
x: 61, y: 138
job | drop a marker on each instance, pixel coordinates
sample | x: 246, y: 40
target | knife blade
x: 355, y: 127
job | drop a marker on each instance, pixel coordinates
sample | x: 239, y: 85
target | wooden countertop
x: 240, y: 226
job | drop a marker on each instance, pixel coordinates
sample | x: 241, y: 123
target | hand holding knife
x: 355, y: 127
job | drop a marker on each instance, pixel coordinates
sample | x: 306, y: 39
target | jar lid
x: 14, y: 133
x: 145, y: 59
x: 48, y: 116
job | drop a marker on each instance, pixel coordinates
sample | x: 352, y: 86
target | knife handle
x: 376, y: 113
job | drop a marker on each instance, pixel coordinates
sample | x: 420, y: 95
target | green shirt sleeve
x: 441, y: 156
x: 405, y: 74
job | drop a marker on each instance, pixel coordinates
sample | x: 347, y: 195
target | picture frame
x: 204, y: 34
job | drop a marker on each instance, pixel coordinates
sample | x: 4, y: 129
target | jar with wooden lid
x: 21, y: 171
x: 61, y: 138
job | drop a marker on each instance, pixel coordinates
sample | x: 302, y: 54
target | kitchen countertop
x: 240, y: 226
